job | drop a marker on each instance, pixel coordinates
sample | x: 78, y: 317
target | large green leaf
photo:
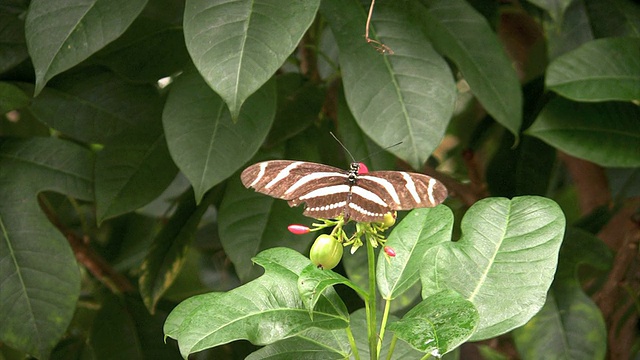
x: 238, y: 45
x: 460, y: 33
x: 555, y: 8
x: 62, y: 33
x: 503, y: 243
x: 146, y: 52
x: 419, y: 231
x: 38, y: 271
x: 124, y: 329
x: 439, y: 324
x: 313, y: 344
x: 250, y: 222
x: 359, y: 144
x: 262, y: 311
x: 401, y: 350
x: 605, y: 133
x: 600, y: 70
x: 12, y: 98
x: 299, y: 103
x: 132, y: 170
x: 323, y: 344
x: 566, y: 26
x: 570, y: 322
x: 406, y: 97
x: 313, y: 281
x: 204, y: 142
x: 93, y: 105
x: 169, y: 250
x: 611, y: 18
x: 13, y: 47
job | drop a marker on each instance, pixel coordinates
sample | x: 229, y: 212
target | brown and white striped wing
x: 323, y: 188
x: 404, y: 190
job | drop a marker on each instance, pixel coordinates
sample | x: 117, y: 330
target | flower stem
x: 383, y: 325
x: 371, y: 321
x: 352, y: 342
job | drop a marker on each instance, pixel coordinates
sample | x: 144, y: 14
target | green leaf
x: 503, y: 243
x: 419, y: 231
x: 205, y: 144
x: 358, y: 143
x: 606, y: 133
x: 611, y: 18
x: 406, y: 97
x: 93, y: 105
x: 439, y: 324
x: 250, y: 222
x: 123, y: 329
x: 299, y: 104
x: 401, y: 350
x: 38, y: 270
x: 600, y: 70
x: 12, y: 98
x: 147, y: 51
x: 13, y: 47
x: 238, y: 45
x: 460, y: 33
x: 62, y: 33
x: 313, y: 344
x: 131, y: 170
x: 570, y: 322
x: 567, y: 29
x: 555, y: 8
x: 313, y: 281
x: 262, y: 311
x: 169, y: 250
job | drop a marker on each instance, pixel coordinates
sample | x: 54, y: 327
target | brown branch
x: 616, y: 298
x: 90, y: 259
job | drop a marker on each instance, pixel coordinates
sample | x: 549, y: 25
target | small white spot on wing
x: 362, y: 210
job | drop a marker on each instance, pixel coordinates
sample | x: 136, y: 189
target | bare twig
x: 91, y: 260
x: 380, y: 47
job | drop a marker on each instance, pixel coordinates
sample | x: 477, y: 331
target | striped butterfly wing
x: 323, y: 188
x: 404, y: 190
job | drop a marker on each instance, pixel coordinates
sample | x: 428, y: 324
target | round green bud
x: 326, y: 252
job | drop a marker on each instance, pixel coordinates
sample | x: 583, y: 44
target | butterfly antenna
x: 381, y: 150
x: 344, y: 147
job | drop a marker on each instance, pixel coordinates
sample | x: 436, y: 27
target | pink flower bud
x: 298, y: 229
x: 389, y: 251
x: 362, y: 169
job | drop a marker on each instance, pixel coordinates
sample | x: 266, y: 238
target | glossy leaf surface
x: 38, y: 271
x: 238, y: 45
x: 503, y: 242
x: 262, y: 311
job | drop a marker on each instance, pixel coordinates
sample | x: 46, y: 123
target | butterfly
x: 356, y: 194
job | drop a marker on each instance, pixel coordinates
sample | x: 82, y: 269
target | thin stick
x: 380, y: 47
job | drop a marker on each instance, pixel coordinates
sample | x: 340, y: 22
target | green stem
x: 392, y: 347
x: 373, y: 335
x: 352, y: 342
x: 383, y: 325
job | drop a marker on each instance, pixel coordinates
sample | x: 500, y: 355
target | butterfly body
x: 329, y: 192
